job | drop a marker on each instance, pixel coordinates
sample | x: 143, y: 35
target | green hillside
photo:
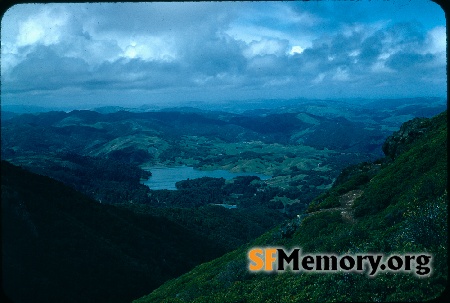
x: 395, y: 205
x: 60, y: 246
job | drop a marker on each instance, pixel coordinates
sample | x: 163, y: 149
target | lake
x: 166, y: 177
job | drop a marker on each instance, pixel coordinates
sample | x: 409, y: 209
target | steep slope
x: 60, y: 246
x: 391, y: 206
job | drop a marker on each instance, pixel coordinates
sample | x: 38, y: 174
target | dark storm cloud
x: 296, y: 49
x: 410, y: 61
x: 45, y: 70
x: 213, y: 55
x: 137, y: 73
x: 157, y: 18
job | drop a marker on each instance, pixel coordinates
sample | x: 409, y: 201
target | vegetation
x: 137, y: 238
x: 401, y: 209
x: 60, y: 246
x: 268, y: 143
x: 230, y: 228
x: 105, y: 180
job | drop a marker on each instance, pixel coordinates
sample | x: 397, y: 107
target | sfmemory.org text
x: 271, y: 259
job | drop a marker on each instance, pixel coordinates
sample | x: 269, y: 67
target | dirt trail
x: 346, y: 201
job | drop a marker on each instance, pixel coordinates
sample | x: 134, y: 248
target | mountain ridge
x: 58, y: 245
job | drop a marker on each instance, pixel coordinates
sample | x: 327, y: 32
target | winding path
x: 346, y: 201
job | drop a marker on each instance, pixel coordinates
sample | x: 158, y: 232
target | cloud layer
x: 171, y: 52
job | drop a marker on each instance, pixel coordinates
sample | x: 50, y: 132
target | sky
x: 129, y: 54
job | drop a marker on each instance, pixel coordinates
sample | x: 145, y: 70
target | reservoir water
x: 166, y: 177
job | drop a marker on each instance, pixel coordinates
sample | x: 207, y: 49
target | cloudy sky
x: 136, y: 53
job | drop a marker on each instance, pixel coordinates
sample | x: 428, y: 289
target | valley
x: 275, y: 164
x: 303, y: 145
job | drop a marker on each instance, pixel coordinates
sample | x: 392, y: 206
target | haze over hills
x: 241, y: 106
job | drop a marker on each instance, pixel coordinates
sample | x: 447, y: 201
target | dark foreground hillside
x: 60, y: 246
x: 397, y: 205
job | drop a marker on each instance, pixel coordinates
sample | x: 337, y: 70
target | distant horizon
x: 200, y: 105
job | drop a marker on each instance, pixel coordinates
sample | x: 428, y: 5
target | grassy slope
x: 402, y: 209
x: 60, y: 246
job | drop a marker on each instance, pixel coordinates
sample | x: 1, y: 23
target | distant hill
x: 5, y: 115
x: 60, y: 246
x: 394, y: 205
x: 335, y: 125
